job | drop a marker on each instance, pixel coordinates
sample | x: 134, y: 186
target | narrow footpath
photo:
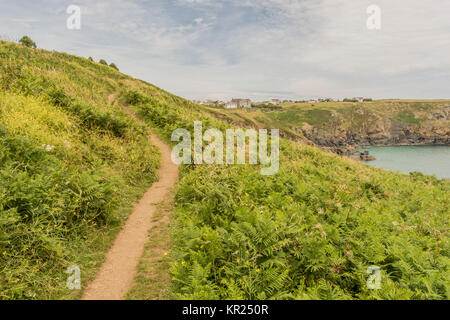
x: 116, y: 275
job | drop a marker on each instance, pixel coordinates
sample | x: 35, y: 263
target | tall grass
x: 309, y: 232
x: 71, y: 158
x: 71, y: 164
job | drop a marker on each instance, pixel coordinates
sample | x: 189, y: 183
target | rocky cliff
x: 371, y: 128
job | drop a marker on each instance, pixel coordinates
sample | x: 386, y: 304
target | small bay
x: 426, y: 159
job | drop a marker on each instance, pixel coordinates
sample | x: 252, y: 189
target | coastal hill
x: 339, y: 125
x: 73, y: 159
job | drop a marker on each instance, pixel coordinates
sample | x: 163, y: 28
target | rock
x: 365, y: 156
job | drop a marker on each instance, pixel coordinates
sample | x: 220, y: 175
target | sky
x: 258, y: 49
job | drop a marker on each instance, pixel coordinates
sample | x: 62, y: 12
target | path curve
x: 117, y: 273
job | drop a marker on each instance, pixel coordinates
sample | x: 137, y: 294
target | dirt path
x: 116, y: 275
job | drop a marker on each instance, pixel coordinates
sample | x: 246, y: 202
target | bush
x: 69, y: 164
x: 239, y: 235
x: 90, y: 117
x: 103, y: 62
x: 113, y: 65
x: 27, y: 42
x: 133, y: 98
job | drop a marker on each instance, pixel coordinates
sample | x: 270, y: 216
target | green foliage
x: 113, y: 65
x: 407, y: 116
x: 310, y: 232
x: 70, y: 163
x: 90, y: 117
x: 102, y: 61
x: 133, y: 97
x: 27, y: 42
x: 70, y: 158
x: 336, y: 123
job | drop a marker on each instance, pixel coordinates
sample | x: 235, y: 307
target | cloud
x: 256, y: 48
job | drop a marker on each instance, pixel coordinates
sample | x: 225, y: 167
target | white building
x: 231, y: 105
x: 275, y: 101
x: 239, y: 104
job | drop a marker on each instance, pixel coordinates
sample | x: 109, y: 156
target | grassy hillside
x: 309, y: 232
x: 347, y: 123
x: 71, y: 160
x: 71, y: 163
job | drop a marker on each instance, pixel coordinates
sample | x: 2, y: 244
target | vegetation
x: 310, y: 232
x: 328, y: 119
x: 407, y: 116
x: 153, y: 279
x: 71, y: 164
x: 113, y: 65
x: 71, y: 159
x: 27, y: 42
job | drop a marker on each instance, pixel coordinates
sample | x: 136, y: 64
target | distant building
x: 359, y: 99
x: 275, y: 101
x: 239, y: 104
x: 231, y: 105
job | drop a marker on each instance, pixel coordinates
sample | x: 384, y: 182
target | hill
x: 72, y: 161
x: 337, y: 125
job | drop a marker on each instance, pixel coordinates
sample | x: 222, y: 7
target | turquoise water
x: 426, y: 159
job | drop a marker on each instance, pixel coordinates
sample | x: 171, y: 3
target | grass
x: 71, y: 165
x: 153, y: 279
x: 326, y: 117
x: 310, y: 232
x: 72, y: 162
x: 408, y: 117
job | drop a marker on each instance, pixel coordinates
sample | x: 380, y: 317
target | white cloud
x: 290, y: 48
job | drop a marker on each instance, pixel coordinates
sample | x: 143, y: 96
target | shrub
x: 102, y: 61
x: 68, y: 164
x: 90, y: 117
x: 113, y: 65
x: 27, y: 42
x: 133, y: 97
x: 58, y: 97
x: 239, y: 235
x: 10, y: 75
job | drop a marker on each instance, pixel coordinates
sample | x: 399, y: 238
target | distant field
x: 331, y: 118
